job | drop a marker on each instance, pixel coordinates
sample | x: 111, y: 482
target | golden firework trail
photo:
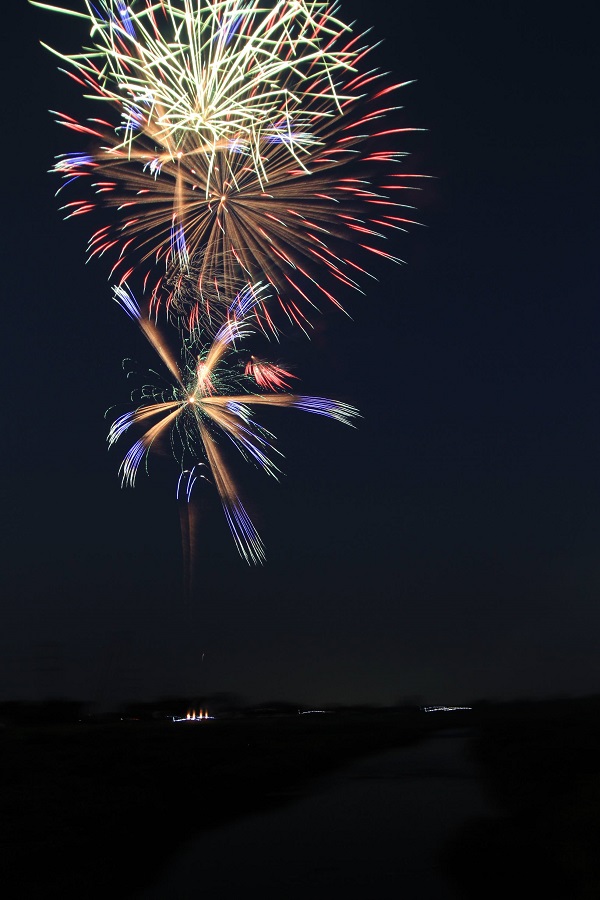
x: 211, y: 397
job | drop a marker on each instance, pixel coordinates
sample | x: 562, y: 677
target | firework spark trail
x: 188, y: 520
x: 218, y: 69
x: 267, y: 375
x: 204, y: 404
x: 278, y: 202
x: 127, y: 302
x: 228, y: 222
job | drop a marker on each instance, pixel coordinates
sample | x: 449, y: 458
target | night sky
x: 449, y: 548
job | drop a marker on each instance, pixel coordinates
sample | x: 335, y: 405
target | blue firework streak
x: 211, y: 398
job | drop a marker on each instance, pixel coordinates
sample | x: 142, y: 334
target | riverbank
x: 97, y: 811
x: 371, y: 829
x: 101, y: 811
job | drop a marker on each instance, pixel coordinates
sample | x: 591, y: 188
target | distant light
x: 443, y: 708
x: 193, y: 716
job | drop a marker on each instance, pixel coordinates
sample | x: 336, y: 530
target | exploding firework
x: 210, y: 397
x: 241, y: 151
x: 283, y: 197
x: 222, y: 71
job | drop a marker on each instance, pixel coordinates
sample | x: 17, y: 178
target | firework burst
x: 283, y: 199
x: 220, y: 71
x: 212, y: 397
x: 242, y: 152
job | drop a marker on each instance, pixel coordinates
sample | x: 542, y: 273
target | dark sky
x: 447, y: 549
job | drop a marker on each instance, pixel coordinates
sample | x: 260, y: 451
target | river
x: 371, y: 830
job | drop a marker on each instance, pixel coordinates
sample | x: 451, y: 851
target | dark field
x: 96, y: 810
x: 540, y: 767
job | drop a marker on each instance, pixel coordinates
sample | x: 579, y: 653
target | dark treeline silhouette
x: 222, y: 704
x: 53, y: 711
x: 226, y: 704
